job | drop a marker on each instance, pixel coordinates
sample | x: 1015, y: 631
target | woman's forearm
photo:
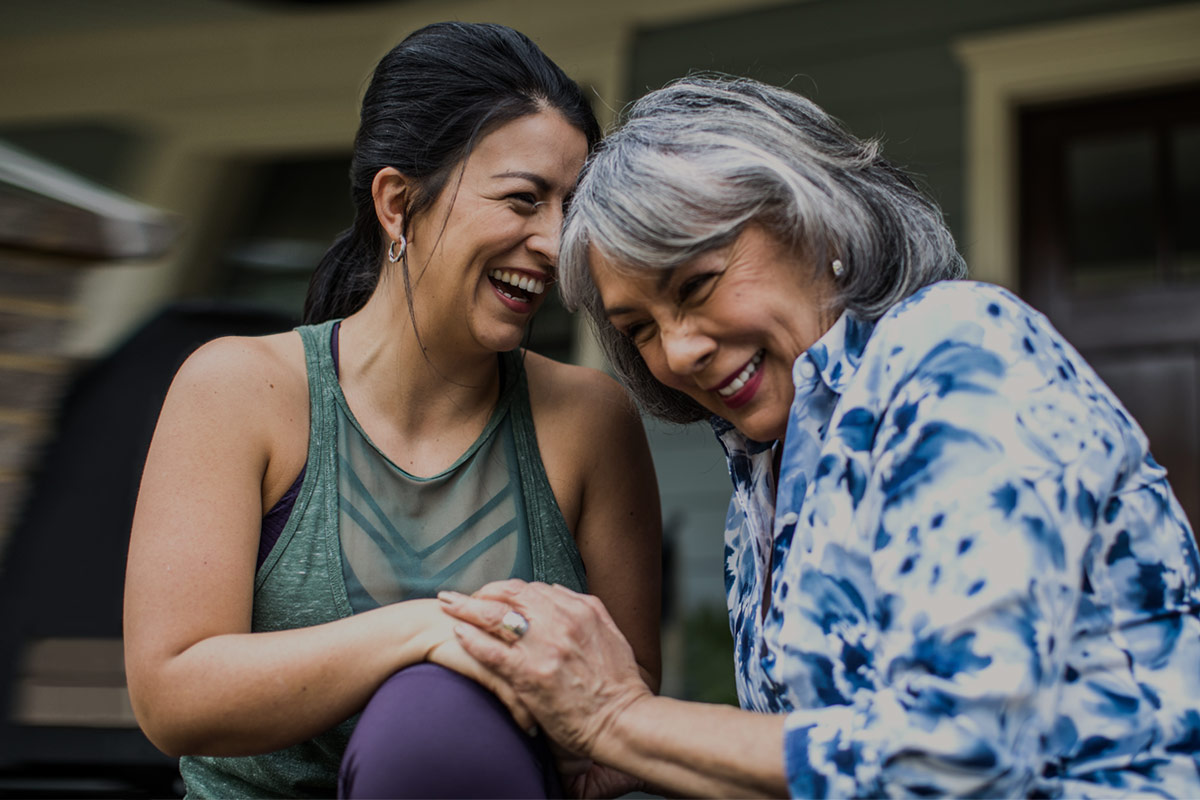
x: 696, y: 749
x: 246, y: 693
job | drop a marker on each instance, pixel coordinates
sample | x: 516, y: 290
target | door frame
x: 1097, y: 56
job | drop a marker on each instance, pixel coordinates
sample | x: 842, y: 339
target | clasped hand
x: 572, y: 669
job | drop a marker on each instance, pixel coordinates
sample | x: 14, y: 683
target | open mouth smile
x: 739, y: 389
x: 732, y: 386
x: 516, y: 289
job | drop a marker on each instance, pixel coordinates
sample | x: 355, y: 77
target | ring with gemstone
x: 515, y: 623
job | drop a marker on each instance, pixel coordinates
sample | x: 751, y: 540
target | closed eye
x: 690, y: 288
x: 526, y: 201
x: 637, y: 332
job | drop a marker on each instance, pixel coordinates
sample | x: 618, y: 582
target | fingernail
x: 460, y: 631
x: 448, y: 597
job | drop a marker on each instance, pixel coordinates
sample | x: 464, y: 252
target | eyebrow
x: 618, y: 311
x: 664, y: 278
x: 532, y: 177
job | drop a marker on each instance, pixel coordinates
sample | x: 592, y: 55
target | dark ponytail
x: 429, y: 101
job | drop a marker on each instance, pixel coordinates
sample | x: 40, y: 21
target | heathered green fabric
x: 301, y: 583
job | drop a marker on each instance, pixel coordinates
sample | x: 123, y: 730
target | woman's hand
x: 572, y: 668
x: 451, y: 655
x: 601, y: 780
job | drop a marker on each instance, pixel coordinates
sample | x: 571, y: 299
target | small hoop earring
x: 838, y: 267
x: 393, y: 256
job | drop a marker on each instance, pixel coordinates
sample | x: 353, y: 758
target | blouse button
x: 805, y: 370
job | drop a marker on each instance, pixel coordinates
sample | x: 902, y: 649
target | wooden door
x: 1110, y: 251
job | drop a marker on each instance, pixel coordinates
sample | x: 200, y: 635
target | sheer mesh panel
x: 405, y: 537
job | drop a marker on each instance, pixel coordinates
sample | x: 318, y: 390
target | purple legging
x: 430, y: 732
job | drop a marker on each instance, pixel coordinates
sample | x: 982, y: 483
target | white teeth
x: 531, y: 285
x: 743, y: 376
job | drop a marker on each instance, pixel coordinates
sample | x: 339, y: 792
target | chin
x: 761, y: 430
x: 501, y: 341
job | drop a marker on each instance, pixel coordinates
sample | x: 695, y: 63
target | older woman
x: 952, y: 565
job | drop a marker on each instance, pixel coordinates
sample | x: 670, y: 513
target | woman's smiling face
x: 486, y: 250
x: 725, y: 327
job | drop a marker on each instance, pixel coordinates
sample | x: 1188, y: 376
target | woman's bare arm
x: 697, y: 749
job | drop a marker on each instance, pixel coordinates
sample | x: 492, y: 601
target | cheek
x: 653, y: 357
x: 486, y: 229
x: 656, y: 362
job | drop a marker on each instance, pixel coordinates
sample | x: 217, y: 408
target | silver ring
x: 514, y: 623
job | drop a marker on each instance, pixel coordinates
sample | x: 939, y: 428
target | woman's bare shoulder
x: 234, y: 359
x: 250, y: 376
x: 559, y: 390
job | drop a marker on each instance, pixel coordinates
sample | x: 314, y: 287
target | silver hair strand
x: 695, y: 162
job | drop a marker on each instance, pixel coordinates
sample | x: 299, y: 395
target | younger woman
x: 307, y: 494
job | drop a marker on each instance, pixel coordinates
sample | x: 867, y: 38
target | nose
x: 547, y: 232
x: 685, y: 349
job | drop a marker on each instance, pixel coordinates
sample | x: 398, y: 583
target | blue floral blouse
x: 980, y: 582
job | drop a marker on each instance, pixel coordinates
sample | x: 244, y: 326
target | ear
x: 390, y: 188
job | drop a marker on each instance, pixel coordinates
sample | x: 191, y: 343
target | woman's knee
x: 430, y: 732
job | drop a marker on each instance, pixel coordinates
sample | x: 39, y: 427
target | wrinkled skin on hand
x: 451, y: 655
x: 603, y: 781
x: 572, y: 669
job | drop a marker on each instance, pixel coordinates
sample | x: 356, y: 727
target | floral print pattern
x: 980, y: 582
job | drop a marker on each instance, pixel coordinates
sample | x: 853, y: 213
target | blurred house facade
x: 1060, y: 137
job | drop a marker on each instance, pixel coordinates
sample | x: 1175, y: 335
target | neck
x: 417, y: 383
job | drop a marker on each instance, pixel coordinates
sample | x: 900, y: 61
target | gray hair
x: 697, y: 161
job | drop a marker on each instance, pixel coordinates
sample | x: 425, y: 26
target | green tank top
x: 364, y: 533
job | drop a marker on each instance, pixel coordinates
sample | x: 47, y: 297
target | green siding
x: 884, y: 67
